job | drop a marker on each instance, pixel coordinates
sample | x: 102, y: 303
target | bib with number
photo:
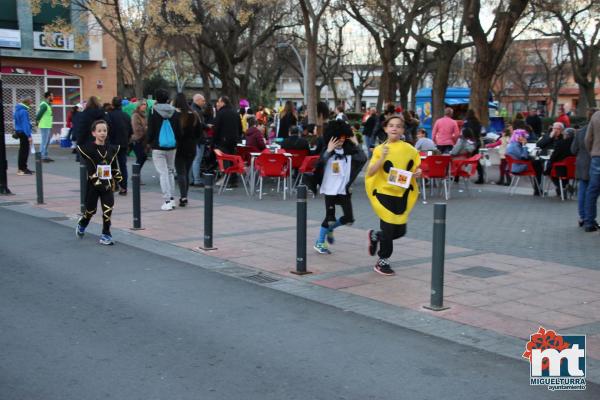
x: 104, y: 172
x: 399, y: 177
x: 336, y: 168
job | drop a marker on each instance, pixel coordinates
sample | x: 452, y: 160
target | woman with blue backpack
x: 163, y: 133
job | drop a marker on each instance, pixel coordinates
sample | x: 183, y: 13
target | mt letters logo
x: 556, y: 361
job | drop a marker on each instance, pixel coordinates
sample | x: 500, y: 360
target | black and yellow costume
x: 92, y: 156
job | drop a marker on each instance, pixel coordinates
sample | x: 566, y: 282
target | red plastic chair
x: 465, y: 168
x: 273, y: 166
x: 566, y: 171
x: 297, y: 157
x: 236, y: 167
x: 309, y: 165
x: 435, y: 168
x: 530, y: 172
x: 244, y: 152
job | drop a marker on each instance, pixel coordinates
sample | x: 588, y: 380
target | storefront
x: 34, y: 61
x: 19, y: 83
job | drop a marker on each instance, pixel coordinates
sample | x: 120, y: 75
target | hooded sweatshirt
x: 159, y: 113
x: 21, y: 117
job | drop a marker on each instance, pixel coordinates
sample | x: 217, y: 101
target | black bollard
x: 137, y: 198
x: 437, y: 258
x: 301, y: 232
x: 82, y: 186
x: 208, y: 213
x: 39, y: 183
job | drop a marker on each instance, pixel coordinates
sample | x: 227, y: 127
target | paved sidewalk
x: 506, y: 294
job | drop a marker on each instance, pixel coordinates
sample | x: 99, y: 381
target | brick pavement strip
x: 511, y: 304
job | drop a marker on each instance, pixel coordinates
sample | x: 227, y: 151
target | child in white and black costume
x: 339, y: 166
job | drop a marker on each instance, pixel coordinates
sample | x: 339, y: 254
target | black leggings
x: 107, y: 201
x: 343, y: 200
x: 183, y: 166
x: 387, y: 235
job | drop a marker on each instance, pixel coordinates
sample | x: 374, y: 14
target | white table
x: 253, y: 173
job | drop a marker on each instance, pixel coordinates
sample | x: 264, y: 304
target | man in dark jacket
x: 119, y: 132
x: 228, y: 129
x: 294, y: 141
x: 369, y: 128
x: 535, y: 122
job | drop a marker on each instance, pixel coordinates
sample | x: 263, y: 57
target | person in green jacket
x: 44, y: 123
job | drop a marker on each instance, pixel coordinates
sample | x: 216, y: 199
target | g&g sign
x: 57, y: 41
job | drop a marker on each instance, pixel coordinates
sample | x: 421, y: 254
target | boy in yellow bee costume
x: 391, y: 189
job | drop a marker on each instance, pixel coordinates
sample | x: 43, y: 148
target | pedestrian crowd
x: 181, y: 138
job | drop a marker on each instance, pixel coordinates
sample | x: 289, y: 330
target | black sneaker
x: 383, y: 267
x: 372, y: 242
x: 592, y: 228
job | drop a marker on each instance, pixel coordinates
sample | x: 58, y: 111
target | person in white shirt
x: 340, y: 162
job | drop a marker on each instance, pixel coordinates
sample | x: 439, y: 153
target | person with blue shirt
x: 23, y: 133
x: 516, y: 149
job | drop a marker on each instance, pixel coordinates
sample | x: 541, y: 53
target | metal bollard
x: 301, y: 232
x: 208, y: 213
x: 437, y: 258
x: 39, y: 183
x: 137, y: 198
x: 82, y: 186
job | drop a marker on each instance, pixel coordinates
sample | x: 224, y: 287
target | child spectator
x: 424, y: 143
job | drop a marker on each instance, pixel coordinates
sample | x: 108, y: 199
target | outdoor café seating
x: 235, y: 166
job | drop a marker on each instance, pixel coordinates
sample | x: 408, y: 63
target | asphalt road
x: 83, y: 321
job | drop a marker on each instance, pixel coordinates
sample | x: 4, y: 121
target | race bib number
x: 104, y: 172
x: 336, y: 168
x: 399, y: 177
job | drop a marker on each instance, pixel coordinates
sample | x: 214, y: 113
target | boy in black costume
x: 104, y: 176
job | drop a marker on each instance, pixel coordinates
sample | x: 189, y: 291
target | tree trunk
x: 311, y: 72
x: 444, y: 56
x: 587, y: 99
x: 357, y: 100
x: 480, y: 89
x: 138, y: 84
x: 387, y: 85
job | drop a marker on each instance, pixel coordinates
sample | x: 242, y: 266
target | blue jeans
x: 591, y: 195
x: 196, y: 173
x: 46, y: 136
x: 581, y: 194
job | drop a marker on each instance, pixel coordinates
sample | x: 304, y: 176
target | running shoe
x: 321, y: 248
x: 106, y: 240
x: 79, y: 231
x: 383, y: 267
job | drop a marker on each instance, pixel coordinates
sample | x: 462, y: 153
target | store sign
x: 57, y: 41
x: 10, y: 38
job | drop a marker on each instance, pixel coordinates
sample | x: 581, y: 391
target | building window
x: 8, y: 17
x: 67, y: 93
x: 49, y: 14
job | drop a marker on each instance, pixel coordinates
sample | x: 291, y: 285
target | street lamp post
x: 302, y: 66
